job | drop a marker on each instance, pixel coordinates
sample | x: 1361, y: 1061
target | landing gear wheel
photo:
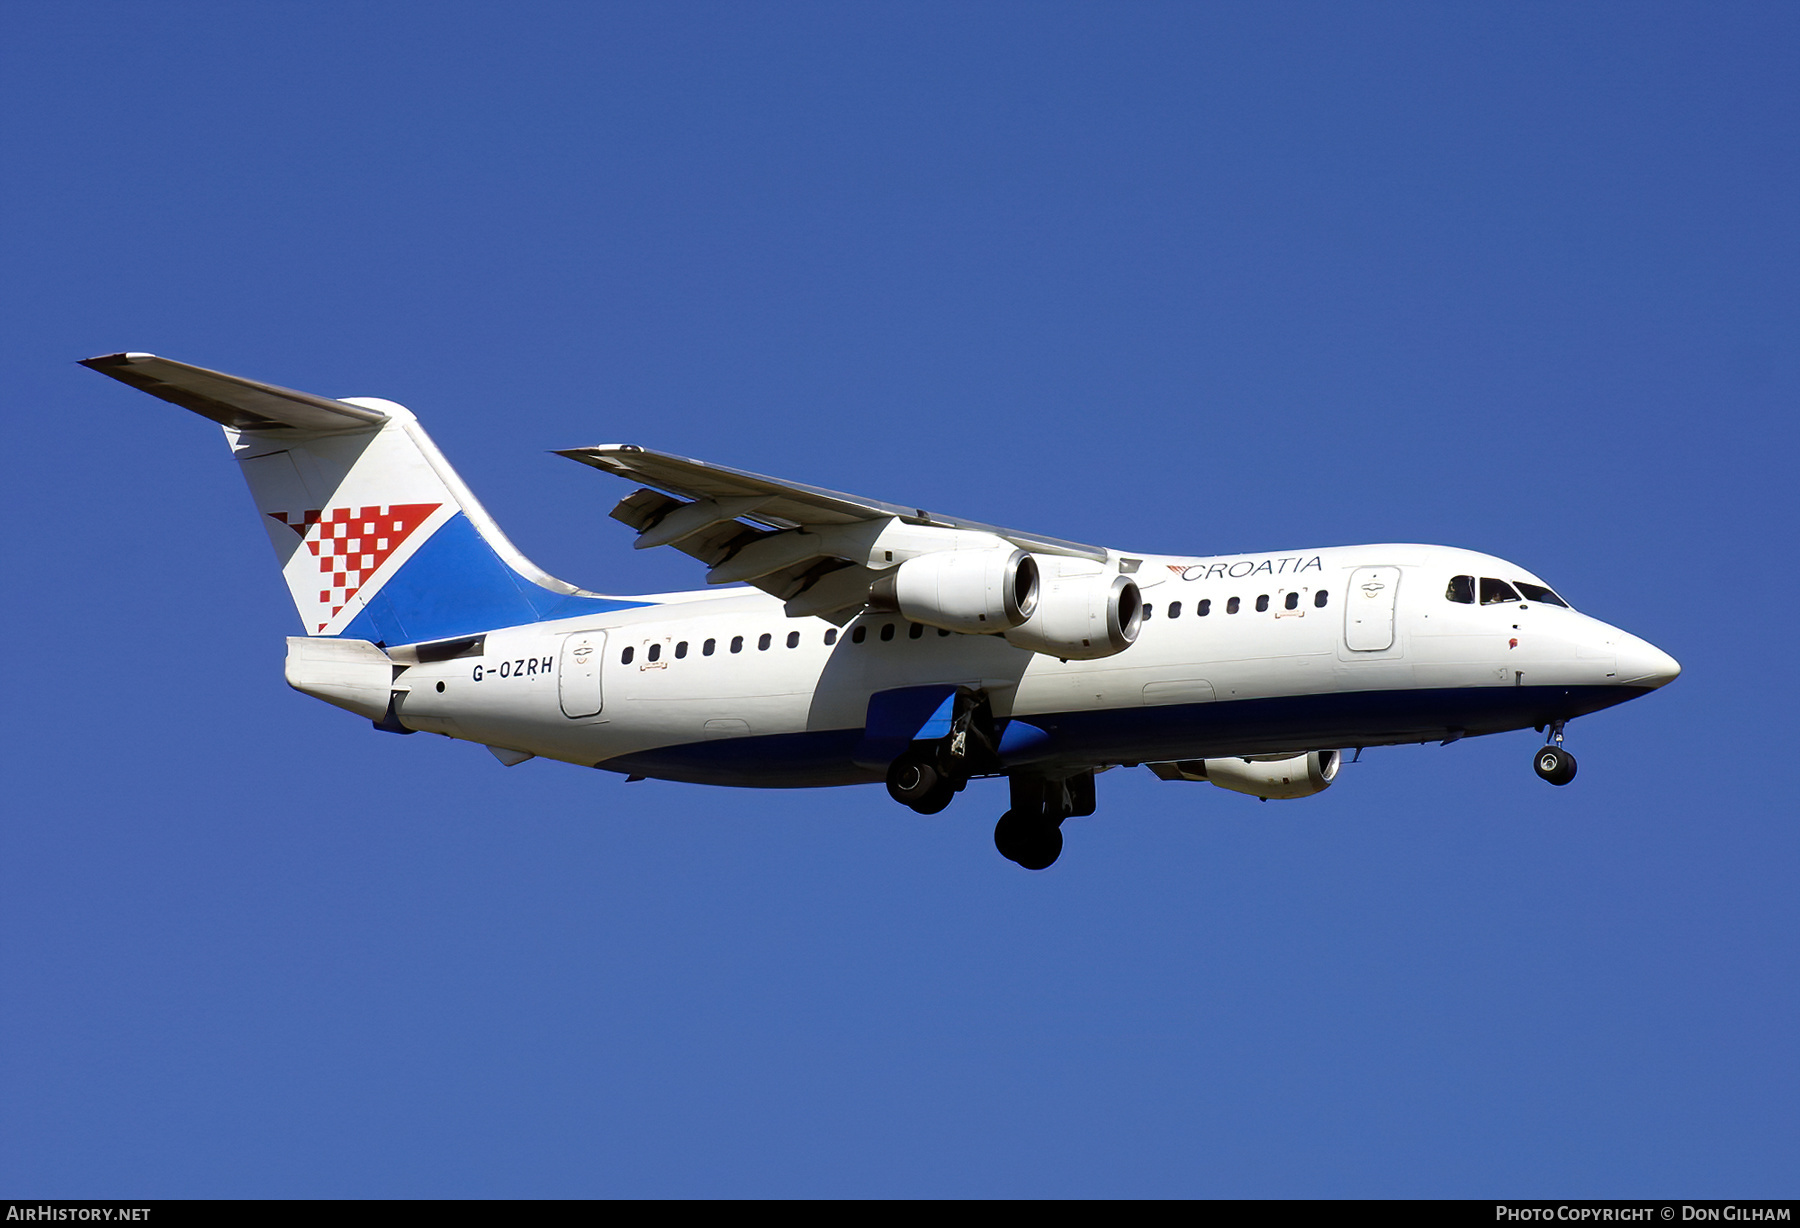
x: 913, y: 780
x: 938, y: 798
x: 1034, y: 843
x: 1555, y: 765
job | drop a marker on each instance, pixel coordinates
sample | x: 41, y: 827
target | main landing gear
x: 916, y: 780
x: 929, y: 774
x: 1552, y: 762
x: 1031, y: 832
x: 1034, y: 841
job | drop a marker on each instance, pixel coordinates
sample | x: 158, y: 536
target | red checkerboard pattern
x: 351, y: 544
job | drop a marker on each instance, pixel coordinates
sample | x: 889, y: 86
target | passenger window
x: 1496, y: 592
x: 1319, y: 599
x: 1231, y: 607
x: 1461, y: 590
x: 1293, y: 601
x: 1174, y: 609
x: 737, y: 643
x: 1537, y: 592
x: 1205, y: 607
x: 681, y: 650
x: 859, y: 635
x: 1148, y: 611
x: 762, y: 642
x: 655, y: 653
x: 625, y: 657
x: 830, y: 635
x: 793, y: 639
x: 706, y: 649
x: 887, y: 631
x: 1262, y: 604
x: 915, y: 631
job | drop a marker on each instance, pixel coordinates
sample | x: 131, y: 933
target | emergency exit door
x: 1369, y: 609
x: 578, y: 673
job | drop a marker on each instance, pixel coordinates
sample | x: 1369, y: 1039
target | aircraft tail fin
x: 377, y: 537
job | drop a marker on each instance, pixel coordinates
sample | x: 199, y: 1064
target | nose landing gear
x: 1552, y: 762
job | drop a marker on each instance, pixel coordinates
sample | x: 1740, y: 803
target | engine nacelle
x: 1269, y: 779
x: 1083, y: 618
x: 976, y: 591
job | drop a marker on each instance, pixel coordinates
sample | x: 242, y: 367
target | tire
x: 1555, y: 765
x: 912, y: 779
x: 1010, y: 835
x: 1044, y: 847
x: 938, y: 798
x: 1031, y: 842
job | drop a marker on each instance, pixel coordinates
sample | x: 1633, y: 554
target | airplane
x: 844, y: 640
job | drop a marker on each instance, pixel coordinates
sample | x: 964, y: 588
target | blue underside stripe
x: 1154, y: 734
x: 456, y: 585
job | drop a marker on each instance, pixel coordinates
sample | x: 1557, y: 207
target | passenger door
x: 1369, y: 609
x: 578, y: 673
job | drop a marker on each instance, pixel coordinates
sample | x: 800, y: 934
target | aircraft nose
x: 1644, y: 664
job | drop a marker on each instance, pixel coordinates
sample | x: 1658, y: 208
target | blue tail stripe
x: 456, y: 585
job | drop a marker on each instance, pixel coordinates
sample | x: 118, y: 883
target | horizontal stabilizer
x: 352, y: 674
x: 231, y: 400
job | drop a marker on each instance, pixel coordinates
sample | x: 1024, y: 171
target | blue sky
x: 1198, y: 279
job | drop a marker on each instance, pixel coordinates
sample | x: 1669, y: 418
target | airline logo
x: 1241, y: 568
x: 350, y: 544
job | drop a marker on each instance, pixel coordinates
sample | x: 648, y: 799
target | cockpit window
x: 1496, y: 592
x: 1538, y: 593
x: 1462, y: 590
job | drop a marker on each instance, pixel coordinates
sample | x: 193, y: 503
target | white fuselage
x: 1346, y: 646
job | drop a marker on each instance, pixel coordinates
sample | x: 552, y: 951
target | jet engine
x: 1269, y: 779
x: 1083, y: 617
x: 975, y: 591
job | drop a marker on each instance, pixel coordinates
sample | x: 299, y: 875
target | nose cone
x: 1644, y: 664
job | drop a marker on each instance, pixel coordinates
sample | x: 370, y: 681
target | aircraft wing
x: 710, y: 512
x: 787, y: 505
x: 231, y: 400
